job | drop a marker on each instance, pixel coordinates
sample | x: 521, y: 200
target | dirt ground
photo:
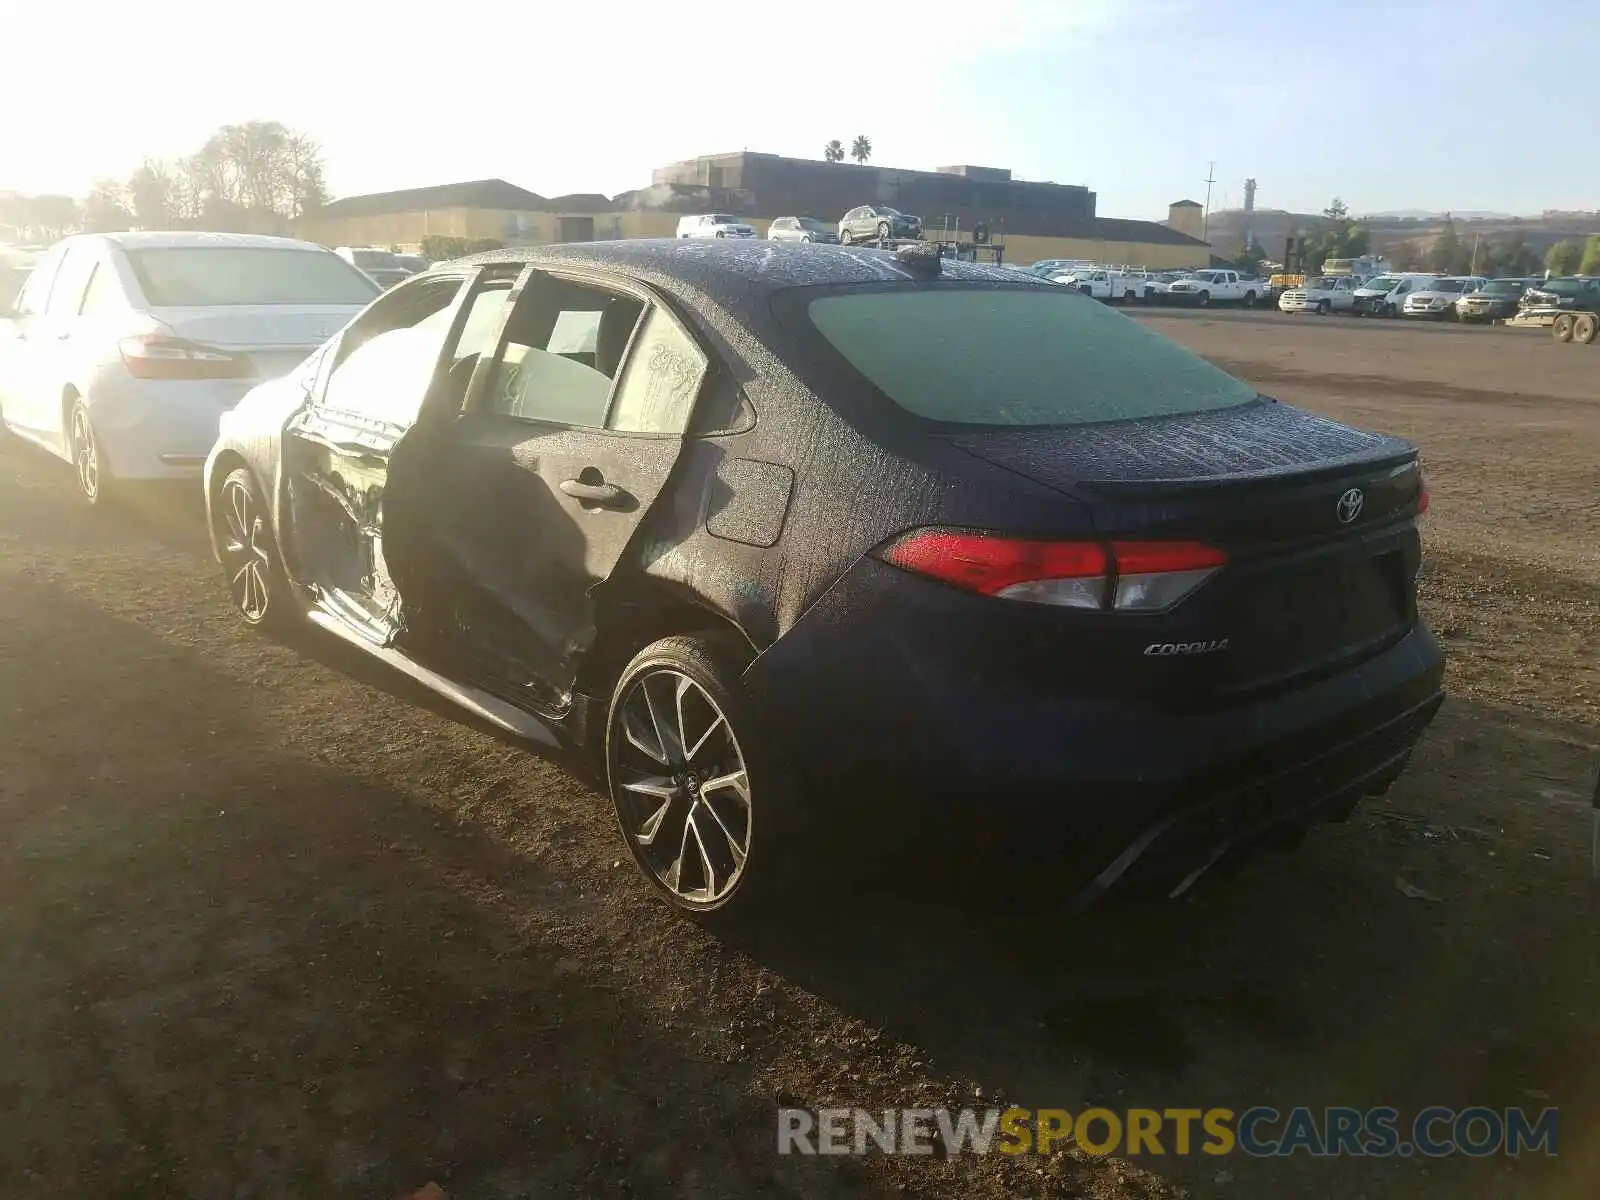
x: 270, y: 926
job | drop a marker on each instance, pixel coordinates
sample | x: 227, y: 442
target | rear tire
x: 89, y: 466
x: 884, y: 232
x: 1249, y: 299
x: 1323, y: 308
x: 1561, y: 328
x: 1584, y: 328
x: 701, y: 796
x: 255, y: 578
x: 845, y: 237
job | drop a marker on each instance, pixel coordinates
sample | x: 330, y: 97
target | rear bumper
x: 906, y: 727
x: 159, y: 428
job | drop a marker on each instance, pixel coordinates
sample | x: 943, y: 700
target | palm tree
x: 861, y: 148
x: 834, y: 151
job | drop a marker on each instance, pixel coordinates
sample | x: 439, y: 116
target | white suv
x: 1321, y: 294
x: 1438, y: 298
x: 714, y: 225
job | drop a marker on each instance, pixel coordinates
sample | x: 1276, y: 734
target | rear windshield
x: 1562, y: 287
x: 1016, y: 356
x: 1448, y: 285
x: 374, y: 258
x: 232, y: 275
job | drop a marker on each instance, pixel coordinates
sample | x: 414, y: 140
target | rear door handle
x: 607, y: 494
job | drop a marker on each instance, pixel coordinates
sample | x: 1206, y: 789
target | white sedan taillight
x: 163, y: 356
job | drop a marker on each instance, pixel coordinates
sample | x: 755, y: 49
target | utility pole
x: 1205, y: 221
x: 1476, y: 242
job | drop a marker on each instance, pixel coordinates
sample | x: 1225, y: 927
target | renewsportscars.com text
x: 1260, y: 1132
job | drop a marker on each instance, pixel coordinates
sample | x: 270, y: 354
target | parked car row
x: 1129, y: 284
x: 866, y: 223
x: 1415, y: 295
x: 576, y: 491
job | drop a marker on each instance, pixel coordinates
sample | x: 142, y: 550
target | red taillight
x: 162, y: 356
x: 1125, y: 575
x: 983, y: 563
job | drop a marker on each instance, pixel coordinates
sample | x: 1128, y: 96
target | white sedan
x: 124, y: 349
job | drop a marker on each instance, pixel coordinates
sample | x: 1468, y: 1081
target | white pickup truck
x: 1321, y: 294
x: 1217, y: 286
x: 1103, y: 283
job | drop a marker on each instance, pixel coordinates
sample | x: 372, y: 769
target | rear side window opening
x: 1030, y: 356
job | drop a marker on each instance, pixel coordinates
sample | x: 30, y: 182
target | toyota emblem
x: 1349, y: 506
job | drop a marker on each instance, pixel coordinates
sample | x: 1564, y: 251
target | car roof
x: 728, y: 271
x: 176, y: 239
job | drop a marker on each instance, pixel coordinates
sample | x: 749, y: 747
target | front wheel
x: 845, y: 237
x: 1203, y: 299
x: 1323, y: 308
x: 699, y: 797
x: 1561, y: 328
x: 1249, y: 299
x: 256, y: 581
x: 884, y: 232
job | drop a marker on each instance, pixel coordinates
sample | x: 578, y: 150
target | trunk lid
x: 255, y: 326
x: 1316, y: 519
x: 276, y: 337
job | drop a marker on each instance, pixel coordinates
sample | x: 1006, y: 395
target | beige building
x: 1188, y: 218
x: 1026, y: 221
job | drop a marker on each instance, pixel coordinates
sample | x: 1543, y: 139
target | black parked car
x: 1578, y: 292
x: 1494, y: 301
x: 771, y: 530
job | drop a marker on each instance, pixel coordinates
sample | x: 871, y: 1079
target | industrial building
x: 1028, y: 220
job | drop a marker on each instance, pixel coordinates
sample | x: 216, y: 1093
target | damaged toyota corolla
x: 767, y: 532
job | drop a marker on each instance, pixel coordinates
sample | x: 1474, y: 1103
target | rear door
x: 536, y: 488
x: 58, y: 345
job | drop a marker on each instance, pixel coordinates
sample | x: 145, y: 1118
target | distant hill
x: 1418, y: 214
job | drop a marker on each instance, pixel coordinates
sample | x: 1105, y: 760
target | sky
x: 1390, y: 104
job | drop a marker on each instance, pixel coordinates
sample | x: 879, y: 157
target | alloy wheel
x: 245, y: 553
x: 682, y: 788
x: 85, y: 454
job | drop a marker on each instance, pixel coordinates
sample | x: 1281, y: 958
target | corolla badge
x: 1349, y: 506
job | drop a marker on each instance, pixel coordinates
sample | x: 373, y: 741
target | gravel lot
x: 274, y: 925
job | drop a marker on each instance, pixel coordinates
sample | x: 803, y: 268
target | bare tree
x: 51, y: 217
x: 301, y: 176
x: 105, y: 208
x: 861, y: 148
x: 153, y: 195
x: 255, y: 165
